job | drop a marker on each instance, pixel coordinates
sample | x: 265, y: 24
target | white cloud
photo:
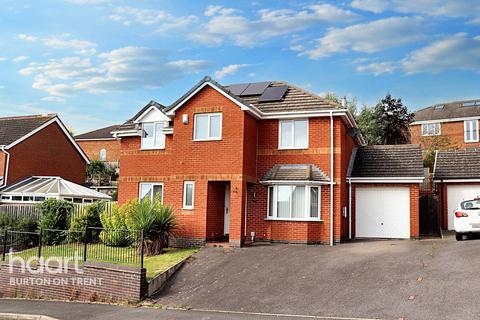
x: 448, y: 8
x: 368, y: 37
x: 53, y: 99
x: 3, y: 59
x: 378, y: 68
x: 226, y: 24
x: 63, y: 42
x: 163, y: 20
x: 122, y: 69
x: 229, y: 70
x: 20, y: 59
x: 2, y: 87
x: 458, y: 52
x: 474, y: 21
x: 26, y: 37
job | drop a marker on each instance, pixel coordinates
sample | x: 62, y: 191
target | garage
x: 384, y: 186
x: 382, y: 212
x: 457, y: 176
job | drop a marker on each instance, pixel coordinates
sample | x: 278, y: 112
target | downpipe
x: 331, y: 179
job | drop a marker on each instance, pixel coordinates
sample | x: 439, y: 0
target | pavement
x: 426, y: 279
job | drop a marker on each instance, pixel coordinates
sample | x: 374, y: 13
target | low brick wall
x: 96, y: 282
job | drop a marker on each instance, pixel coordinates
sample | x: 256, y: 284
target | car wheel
x: 459, y: 236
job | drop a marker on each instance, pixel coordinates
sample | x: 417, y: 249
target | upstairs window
x: 471, y: 130
x: 293, y: 202
x: 207, y: 126
x: 293, y: 134
x: 152, y: 135
x: 103, y: 155
x: 431, y: 129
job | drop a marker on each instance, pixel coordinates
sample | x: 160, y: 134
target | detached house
x: 38, y: 146
x: 100, y: 144
x: 458, y: 121
x: 263, y: 161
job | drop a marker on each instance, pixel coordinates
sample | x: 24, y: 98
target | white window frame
x: 274, y: 216
x: 470, y: 123
x: 184, y: 205
x: 155, y: 146
x: 153, y: 184
x: 209, y: 115
x: 435, y: 132
x: 280, y: 147
x: 103, y: 151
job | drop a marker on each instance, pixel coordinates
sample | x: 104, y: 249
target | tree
x: 98, y: 173
x: 351, y: 104
x: 396, y: 121
x: 433, y: 144
x: 370, y: 124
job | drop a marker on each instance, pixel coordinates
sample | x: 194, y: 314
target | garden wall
x: 98, y: 282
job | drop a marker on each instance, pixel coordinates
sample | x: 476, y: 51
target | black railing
x: 92, y: 244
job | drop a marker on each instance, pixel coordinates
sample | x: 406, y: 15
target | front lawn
x: 127, y: 256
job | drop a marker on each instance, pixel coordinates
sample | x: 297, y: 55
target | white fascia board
x: 126, y: 133
x: 387, y: 180
x: 159, y: 116
x: 444, y: 120
x: 295, y: 182
x: 99, y: 139
x: 43, y: 126
x: 455, y: 180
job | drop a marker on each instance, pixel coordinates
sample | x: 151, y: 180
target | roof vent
x: 471, y: 103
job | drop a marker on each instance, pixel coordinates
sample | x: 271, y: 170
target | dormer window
x: 152, y: 135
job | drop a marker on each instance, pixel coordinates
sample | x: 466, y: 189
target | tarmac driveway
x: 427, y: 279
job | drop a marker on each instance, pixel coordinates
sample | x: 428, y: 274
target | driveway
x: 427, y: 279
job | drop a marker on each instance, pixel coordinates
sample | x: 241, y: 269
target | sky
x: 97, y: 62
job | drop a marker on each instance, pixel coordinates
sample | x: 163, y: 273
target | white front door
x: 382, y: 212
x: 457, y: 193
x: 226, y: 218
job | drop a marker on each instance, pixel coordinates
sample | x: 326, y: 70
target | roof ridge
x: 35, y: 116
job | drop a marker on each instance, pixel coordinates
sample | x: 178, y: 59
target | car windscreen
x: 471, y: 205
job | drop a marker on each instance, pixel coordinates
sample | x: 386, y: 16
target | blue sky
x: 96, y: 62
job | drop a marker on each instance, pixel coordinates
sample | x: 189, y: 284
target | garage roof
x: 457, y: 164
x: 388, y: 161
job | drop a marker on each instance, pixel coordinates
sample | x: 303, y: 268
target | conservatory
x: 37, y: 189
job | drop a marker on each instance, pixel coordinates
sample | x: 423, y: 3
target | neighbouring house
x: 39, y: 146
x: 100, y: 144
x: 37, y: 189
x: 385, y: 184
x: 456, y: 120
x: 457, y: 175
x: 252, y: 161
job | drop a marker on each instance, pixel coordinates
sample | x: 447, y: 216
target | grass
x: 127, y: 256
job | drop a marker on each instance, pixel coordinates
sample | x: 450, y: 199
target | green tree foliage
x: 88, y: 217
x: 54, y: 215
x: 395, y: 121
x: 115, y: 230
x: 431, y: 145
x: 369, y: 121
x: 100, y: 173
x: 28, y: 224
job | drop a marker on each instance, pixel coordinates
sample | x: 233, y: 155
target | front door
x: 226, y: 219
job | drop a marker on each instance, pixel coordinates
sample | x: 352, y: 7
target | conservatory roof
x: 52, y: 187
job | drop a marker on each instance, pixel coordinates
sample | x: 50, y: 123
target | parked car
x: 467, y: 218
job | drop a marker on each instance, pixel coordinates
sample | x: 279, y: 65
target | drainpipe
x: 331, y: 179
x: 7, y: 163
x: 349, y: 209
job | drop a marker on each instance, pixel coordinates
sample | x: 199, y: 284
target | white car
x: 467, y: 218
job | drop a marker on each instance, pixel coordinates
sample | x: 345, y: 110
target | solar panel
x: 255, y: 88
x: 273, y: 94
x: 237, y: 89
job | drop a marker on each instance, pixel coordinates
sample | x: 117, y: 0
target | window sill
x: 299, y: 148
x: 472, y: 141
x: 431, y: 135
x: 294, y: 220
x: 147, y: 149
x: 203, y: 140
x: 188, y: 208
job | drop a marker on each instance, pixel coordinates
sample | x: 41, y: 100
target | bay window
x: 293, y: 134
x: 294, y: 202
x: 152, y: 135
x: 471, y: 130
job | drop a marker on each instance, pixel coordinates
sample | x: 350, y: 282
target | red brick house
x: 456, y: 120
x: 100, y: 144
x: 39, y: 146
x: 263, y: 161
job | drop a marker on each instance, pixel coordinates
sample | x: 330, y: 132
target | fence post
x: 40, y: 234
x: 85, y: 244
x: 142, y: 250
x: 5, y: 236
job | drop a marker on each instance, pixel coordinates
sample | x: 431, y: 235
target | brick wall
x: 92, y: 149
x: 3, y: 157
x: 98, y: 282
x: 414, y: 204
x: 47, y: 153
x: 453, y: 130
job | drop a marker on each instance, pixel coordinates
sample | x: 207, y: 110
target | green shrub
x: 155, y: 220
x: 113, y: 223
x: 89, y: 217
x: 23, y: 224
x: 54, y: 214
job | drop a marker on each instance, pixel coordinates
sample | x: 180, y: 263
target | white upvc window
x: 152, y: 135
x: 294, y: 202
x: 151, y: 190
x: 293, y: 134
x: 431, y: 129
x: 103, y: 155
x: 470, y: 128
x: 207, y: 126
x: 188, y: 194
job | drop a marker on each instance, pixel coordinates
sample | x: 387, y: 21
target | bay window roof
x: 295, y: 173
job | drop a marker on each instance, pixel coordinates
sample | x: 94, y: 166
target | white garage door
x: 455, y: 194
x: 382, y: 212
